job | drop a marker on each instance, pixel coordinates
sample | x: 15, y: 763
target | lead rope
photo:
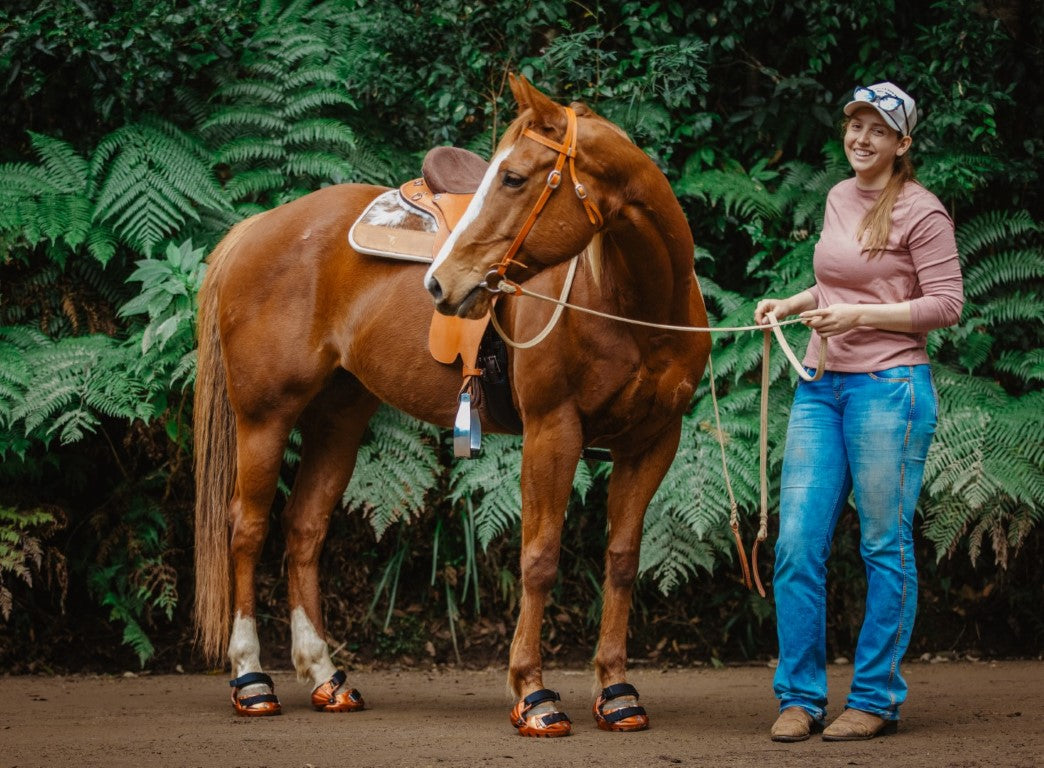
x: 775, y: 328
x: 561, y: 305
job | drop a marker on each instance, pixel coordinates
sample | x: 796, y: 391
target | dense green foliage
x: 137, y: 133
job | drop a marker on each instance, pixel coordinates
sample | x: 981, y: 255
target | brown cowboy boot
x: 794, y: 724
x: 856, y: 725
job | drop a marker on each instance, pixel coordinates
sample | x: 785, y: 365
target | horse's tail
x: 214, y: 437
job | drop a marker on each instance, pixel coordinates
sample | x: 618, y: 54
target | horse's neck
x: 647, y: 258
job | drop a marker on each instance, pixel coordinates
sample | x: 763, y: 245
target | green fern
x: 151, y: 177
x: 492, y: 483
x: 280, y: 127
x: 396, y: 467
x: 740, y: 194
x: 23, y: 543
x: 131, y: 576
x: 985, y: 466
x: 52, y: 201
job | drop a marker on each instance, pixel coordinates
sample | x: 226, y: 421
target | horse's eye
x: 512, y: 179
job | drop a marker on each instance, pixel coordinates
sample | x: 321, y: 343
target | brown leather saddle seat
x: 453, y: 170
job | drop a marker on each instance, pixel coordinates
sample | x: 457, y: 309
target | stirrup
x: 467, y: 429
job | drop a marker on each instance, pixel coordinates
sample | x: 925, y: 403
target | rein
x: 496, y: 282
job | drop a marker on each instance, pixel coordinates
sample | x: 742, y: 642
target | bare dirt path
x: 959, y: 715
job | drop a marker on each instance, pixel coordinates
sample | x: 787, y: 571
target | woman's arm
x: 838, y: 318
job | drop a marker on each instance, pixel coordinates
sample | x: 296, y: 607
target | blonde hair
x: 876, y: 225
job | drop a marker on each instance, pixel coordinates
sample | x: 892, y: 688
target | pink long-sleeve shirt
x: 919, y: 265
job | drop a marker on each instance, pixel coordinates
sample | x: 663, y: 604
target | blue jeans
x: 866, y: 433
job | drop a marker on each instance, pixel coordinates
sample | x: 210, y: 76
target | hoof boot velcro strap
x: 251, y: 678
x: 618, y: 690
x: 337, y: 680
x: 622, y: 714
x: 261, y: 698
x: 554, y: 717
x: 539, y: 697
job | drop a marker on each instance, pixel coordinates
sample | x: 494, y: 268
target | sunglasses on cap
x: 887, y: 102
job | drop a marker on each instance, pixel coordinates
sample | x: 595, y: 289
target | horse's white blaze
x: 244, y: 649
x: 471, y: 212
x: 310, y: 654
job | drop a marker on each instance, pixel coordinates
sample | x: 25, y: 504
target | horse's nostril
x: 434, y: 288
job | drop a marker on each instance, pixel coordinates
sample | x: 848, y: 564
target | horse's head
x: 519, y: 222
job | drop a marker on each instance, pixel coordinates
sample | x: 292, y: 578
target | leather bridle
x: 566, y: 149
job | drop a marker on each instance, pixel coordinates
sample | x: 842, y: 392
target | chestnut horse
x: 296, y: 328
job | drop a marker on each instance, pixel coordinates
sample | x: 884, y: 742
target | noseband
x: 494, y: 279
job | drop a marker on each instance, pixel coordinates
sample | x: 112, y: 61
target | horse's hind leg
x: 259, y: 454
x: 332, y: 428
x: 633, y: 483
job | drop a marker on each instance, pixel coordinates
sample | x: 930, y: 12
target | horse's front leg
x: 550, y: 452
x: 332, y: 429
x: 259, y: 453
x: 632, y: 485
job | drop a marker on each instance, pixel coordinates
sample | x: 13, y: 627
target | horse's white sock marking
x: 472, y: 211
x: 311, y: 656
x: 244, y: 649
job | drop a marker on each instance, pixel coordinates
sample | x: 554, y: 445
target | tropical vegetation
x: 136, y: 133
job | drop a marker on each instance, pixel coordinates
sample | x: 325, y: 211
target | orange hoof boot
x: 329, y: 698
x: 548, y: 724
x: 626, y: 718
x: 259, y: 705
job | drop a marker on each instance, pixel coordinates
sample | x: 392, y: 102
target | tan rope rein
x: 774, y: 327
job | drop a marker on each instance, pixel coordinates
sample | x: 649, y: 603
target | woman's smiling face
x: 871, y: 146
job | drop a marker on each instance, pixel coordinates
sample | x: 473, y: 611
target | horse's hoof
x: 327, y: 697
x: 627, y: 718
x: 548, y: 724
x: 260, y: 705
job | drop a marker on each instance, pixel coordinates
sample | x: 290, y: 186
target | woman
x: 886, y: 273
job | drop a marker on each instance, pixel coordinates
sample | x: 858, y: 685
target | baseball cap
x: 895, y: 105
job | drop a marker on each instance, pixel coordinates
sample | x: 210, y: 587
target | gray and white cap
x: 895, y: 105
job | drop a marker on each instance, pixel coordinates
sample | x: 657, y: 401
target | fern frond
x: 396, y: 467
x: 255, y: 91
x: 24, y: 180
x: 253, y: 183
x: 311, y: 75
x: 492, y: 481
x: 244, y: 118
x: 245, y: 149
x: 65, y: 168
x: 1017, y: 307
x: 154, y: 177
x: 671, y: 551
x: 323, y: 165
x: 1028, y: 366
x: 1005, y: 268
x: 992, y: 228
x: 301, y: 103
x: 739, y: 194
x: 324, y: 130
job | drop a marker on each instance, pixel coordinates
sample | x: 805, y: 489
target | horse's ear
x: 528, y: 97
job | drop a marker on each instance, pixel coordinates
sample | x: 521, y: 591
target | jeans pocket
x: 897, y: 374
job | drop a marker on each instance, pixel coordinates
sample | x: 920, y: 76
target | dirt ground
x: 958, y: 715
